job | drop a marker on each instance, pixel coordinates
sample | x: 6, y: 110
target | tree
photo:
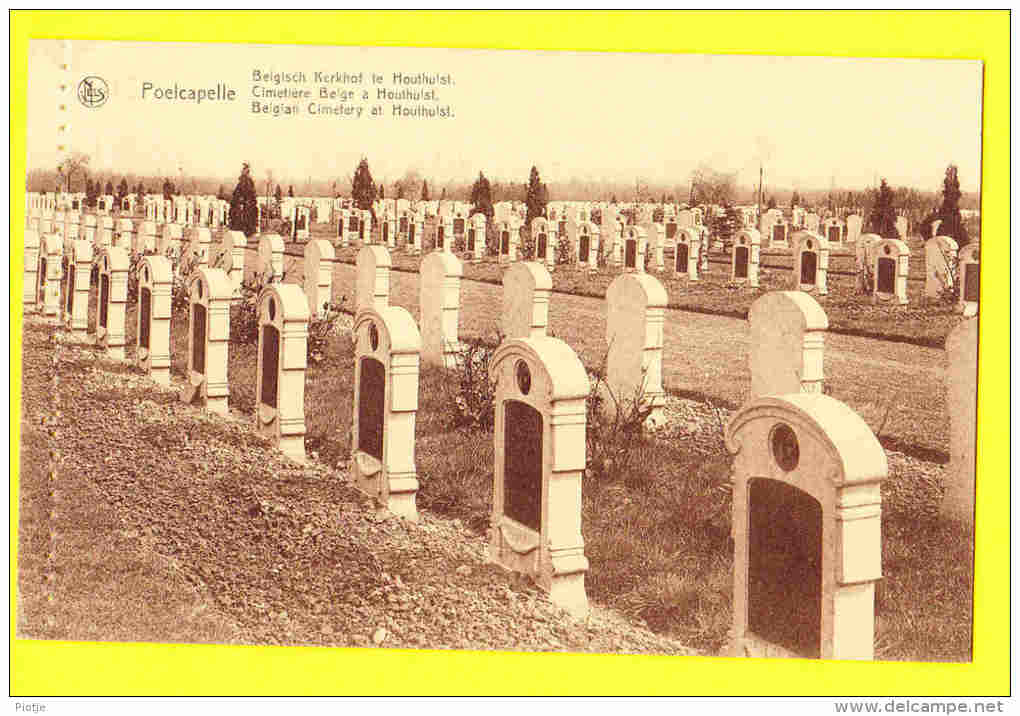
x: 949, y: 212
x: 122, y: 191
x: 362, y: 187
x: 481, y: 197
x: 882, y: 220
x: 221, y: 193
x: 168, y: 189
x: 795, y: 199
x: 140, y: 191
x: 772, y: 203
x: 381, y: 192
x: 290, y: 191
x: 243, y: 204
x: 279, y: 194
x: 108, y: 189
x: 711, y: 187
x: 424, y: 190
x: 536, y: 198
x: 724, y: 226
x: 90, y: 193
x: 76, y: 163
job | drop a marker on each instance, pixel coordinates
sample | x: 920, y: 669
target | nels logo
x: 93, y: 92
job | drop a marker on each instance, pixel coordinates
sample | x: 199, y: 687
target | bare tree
x: 712, y: 187
x: 75, y: 163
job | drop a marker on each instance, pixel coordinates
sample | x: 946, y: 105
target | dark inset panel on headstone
x: 682, y: 258
x: 583, y: 249
x: 504, y: 243
x: 886, y: 275
x: 70, y: 289
x: 403, y: 225
x: 371, y: 406
x: 972, y: 282
x: 834, y: 234
x: 630, y: 254
x: 198, y: 326
x: 410, y: 234
x: 301, y: 222
x: 780, y: 232
x: 808, y: 267
x: 386, y: 231
x: 670, y: 231
x: 104, y: 298
x: 471, y: 240
x: 542, y: 246
x: 563, y: 228
x: 522, y: 467
x: 270, y: 364
x: 361, y: 230
x: 340, y: 228
x: 458, y: 226
x: 440, y: 235
x: 144, y: 316
x: 41, y: 281
x: 740, y: 265
x: 352, y: 223
x: 784, y: 576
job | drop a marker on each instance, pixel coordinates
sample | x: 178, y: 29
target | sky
x: 812, y: 122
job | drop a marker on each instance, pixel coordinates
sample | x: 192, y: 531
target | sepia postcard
x: 396, y: 348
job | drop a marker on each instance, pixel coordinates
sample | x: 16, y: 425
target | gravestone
x: 686, y: 252
x: 939, y: 265
x: 415, y: 232
x: 811, y: 222
x: 779, y: 235
x: 634, y: 242
x: 282, y: 359
x: 319, y: 259
x: 112, y: 309
x: 388, y: 227
x: 746, y: 253
x: 539, y: 439
x: 343, y: 218
x: 902, y: 226
x: 476, y: 237
x: 854, y: 224
x: 302, y: 221
x: 810, y: 263
x: 635, y: 305
x: 31, y: 279
x: 231, y: 258
x: 48, y: 276
x: 387, y: 356
x: 891, y: 257
x: 169, y: 244
x: 807, y: 507
x: 269, y: 265
x: 767, y: 221
x: 439, y: 303
x: 865, y: 260
x: 970, y: 278
x: 787, y: 348
x: 509, y: 240
x: 961, y: 403
x: 526, y: 289
x: 545, y: 241
x: 76, y: 289
x: 152, y: 343
x: 146, y: 240
x: 210, y: 291
x: 588, y: 239
x: 656, y: 241
x: 199, y: 247
x: 373, y: 278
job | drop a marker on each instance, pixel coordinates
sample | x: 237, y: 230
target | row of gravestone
x: 807, y: 470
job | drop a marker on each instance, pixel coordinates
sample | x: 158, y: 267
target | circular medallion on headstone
x: 373, y: 336
x: 887, y: 251
x: 523, y: 374
x: 785, y: 449
x: 809, y: 243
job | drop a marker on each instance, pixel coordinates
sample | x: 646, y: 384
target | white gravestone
x: 939, y: 265
x: 319, y: 260
x: 199, y: 247
x: 439, y: 303
x: 476, y: 237
x: 78, y: 276
x: 686, y: 253
x: 970, y: 278
x: 854, y: 224
x: 231, y: 258
x: 210, y: 291
x: 961, y: 400
x: 48, y: 276
x: 526, y: 289
x: 807, y: 508
x: 282, y: 360
x: 31, y: 280
x: 544, y: 235
x: 112, y: 307
x: 746, y: 256
x: 810, y: 263
x: 152, y: 342
x: 387, y: 353
x: 635, y: 305
x: 269, y: 264
x: 787, y: 351
x: 539, y: 439
x: 890, y: 268
x: 373, y: 278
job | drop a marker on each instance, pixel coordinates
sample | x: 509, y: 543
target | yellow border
x: 40, y: 668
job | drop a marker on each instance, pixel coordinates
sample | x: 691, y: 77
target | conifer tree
x: 362, y: 187
x: 481, y: 197
x: 536, y: 198
x: 882, y: 220
x: 243, y: 206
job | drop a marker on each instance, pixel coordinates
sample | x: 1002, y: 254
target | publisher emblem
x: 93, y: 92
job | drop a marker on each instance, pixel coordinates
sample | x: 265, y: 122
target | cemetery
x: 505, y: 419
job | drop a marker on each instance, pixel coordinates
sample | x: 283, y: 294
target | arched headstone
x: 526, y: 289
x: 76, y: 289
x: 269, y: 265
x: 787, y: 346
x: 210, y: 291
x: 635, y: 305
x: 961, y: 403
x: 319, y: 259
x: 387, y: 357
x: 373, y: 278
x: 439, y: 304
x: 282, y: 359
x: 807, y: 508
x: 152, y: 342
x: 746, y: 253
x: 112, y: 309
x: 970, y: 278
x: 231, y: 258
x: 891, y: 257
x: 810, y: 263
x: 476, y: 237
x: 939, y: 265
x: 539, y: 437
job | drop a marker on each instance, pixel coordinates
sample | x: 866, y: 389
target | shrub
x: 475, y: 390
x: 616, y: 427
x: 321, y: 329
x: 244, y: 314
x: 565, y: 252
x: 527, y: 245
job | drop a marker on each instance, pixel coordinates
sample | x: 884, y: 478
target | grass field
x: 658, y: 538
